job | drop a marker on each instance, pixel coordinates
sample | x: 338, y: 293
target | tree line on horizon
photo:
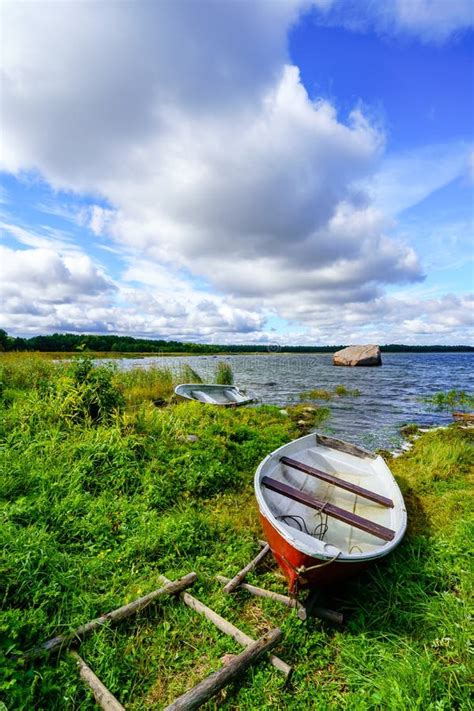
x: 71, y: 342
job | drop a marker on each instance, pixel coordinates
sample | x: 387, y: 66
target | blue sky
x: 265, y: 172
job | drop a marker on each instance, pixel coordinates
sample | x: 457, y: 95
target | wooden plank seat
x: 359, y: 490
x: 364, y: 524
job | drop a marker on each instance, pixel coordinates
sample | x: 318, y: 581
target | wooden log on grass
x: 321, y: 612
x: 237, y: 579
x: 120, y: 613
x: 102, y: 695
x: 261, y: 592
x: 207, y: 688
x: 228, y: 628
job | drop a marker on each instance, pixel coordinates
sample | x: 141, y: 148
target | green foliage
x: 70, y: 342
x: 224, y: 375
x: 319, y: 394
x: 342, y: 391
x: 27, y: 371
x: 451, y: 400
x: 140, y: 385
x: 92, y: 510
x: 89, y: 393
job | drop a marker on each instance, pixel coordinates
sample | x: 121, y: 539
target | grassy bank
x: 101, y: 491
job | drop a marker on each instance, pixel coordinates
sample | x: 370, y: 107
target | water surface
x: 390, y: 395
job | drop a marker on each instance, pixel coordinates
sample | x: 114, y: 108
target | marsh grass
x: 321, y: 394
x: 451, y: 400
x: 342, y: 391
x: 140, y: 385
x: 223, y: 373
x: 93, y: 510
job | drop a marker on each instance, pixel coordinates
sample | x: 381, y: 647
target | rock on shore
x: 358, y: 355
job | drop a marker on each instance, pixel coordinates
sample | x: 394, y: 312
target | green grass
x: 451, y: 400
x: 102, y: 494
x: 224, y: 375
x: 321, y: 394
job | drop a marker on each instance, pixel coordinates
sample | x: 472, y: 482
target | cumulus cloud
x: 83, y: 102
x: 42, y: 290
x: 231, y: 193
x: 45, y: 275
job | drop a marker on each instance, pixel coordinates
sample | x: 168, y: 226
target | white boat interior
x: 314, y: 531
x: 213, y: 394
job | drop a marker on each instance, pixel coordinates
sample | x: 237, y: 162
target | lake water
x: 389, y: 395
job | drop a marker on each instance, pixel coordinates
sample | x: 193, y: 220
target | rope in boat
x: 320, y: 529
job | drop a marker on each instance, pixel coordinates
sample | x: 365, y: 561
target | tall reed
x: 224, y: 374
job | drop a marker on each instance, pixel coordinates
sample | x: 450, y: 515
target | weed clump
x: 224, y: 374
x: 451, y: 400
x: 342, y: 391
x: 88, y: 393
x: 142, y: 385
x: 320, y: 394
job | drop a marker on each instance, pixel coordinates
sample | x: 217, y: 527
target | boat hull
x: 291, y: 560
x: 217, y: 395
x: 329, y: 509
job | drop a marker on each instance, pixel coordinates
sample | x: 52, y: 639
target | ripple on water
x: 390, y: 396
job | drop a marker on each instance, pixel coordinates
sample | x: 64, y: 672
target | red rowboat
x: 328, y: 509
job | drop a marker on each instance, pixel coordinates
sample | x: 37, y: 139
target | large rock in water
x: 358, y: 355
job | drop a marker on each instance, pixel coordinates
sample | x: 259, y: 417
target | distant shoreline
x: 126, y: 346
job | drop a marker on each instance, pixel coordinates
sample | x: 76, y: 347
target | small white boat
x: 328, y: 509
x: 224, y: 395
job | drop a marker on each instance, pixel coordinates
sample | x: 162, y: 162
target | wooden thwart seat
x: 364, y: 524
x: 359, y: 490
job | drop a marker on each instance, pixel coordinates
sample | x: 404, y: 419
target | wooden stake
x: 237, y: 579
x: 261, y: 592
x: 303, y: 611
x: 228, y: 628
x: 120, y: 613
x: 102, y: 695
x: 201, y: 693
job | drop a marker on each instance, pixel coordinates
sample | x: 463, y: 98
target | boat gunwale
x: 335, y: 553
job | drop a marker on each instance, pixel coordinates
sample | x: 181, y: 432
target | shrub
x: 89, y: 393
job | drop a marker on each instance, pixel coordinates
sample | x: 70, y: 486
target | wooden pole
x: 237, y: 579
x: 261, y: 592
x: 102, y: 695
x: 321, y: 612
x: 228, y: 628
x: 120, y: 613
x: 201, y: 693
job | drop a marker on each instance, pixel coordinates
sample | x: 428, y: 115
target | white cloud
x: 431, y: 21
x: 44, y: 275
x: 434, y: 20
x: 50, y: 240
x: 409, y: 177
x: 233, y: 195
